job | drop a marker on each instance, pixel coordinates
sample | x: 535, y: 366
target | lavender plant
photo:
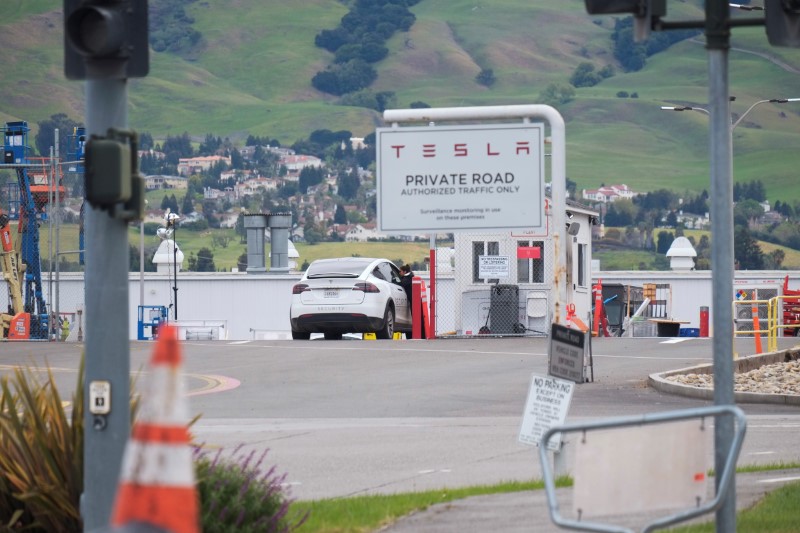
x: 238, y: 493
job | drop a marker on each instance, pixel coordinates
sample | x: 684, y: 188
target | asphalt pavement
x: 345, y: 418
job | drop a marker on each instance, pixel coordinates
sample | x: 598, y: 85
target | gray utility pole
x: 107, y: 346
x: 720, y: 154
x: 105, y: 43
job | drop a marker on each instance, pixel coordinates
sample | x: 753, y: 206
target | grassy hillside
x: 253, y: 77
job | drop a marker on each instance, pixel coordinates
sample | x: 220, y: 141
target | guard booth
x: 504, y: 281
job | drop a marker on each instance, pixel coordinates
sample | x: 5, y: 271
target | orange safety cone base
x: 174, y: 509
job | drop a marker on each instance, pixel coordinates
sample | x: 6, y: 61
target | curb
x: 659, y: 382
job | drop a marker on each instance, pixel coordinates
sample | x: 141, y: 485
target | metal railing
x: 726, y: 476
x: 774, y: 323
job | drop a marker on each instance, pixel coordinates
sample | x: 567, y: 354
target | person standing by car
x: 406, y: 280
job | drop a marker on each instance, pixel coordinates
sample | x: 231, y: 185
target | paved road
x: 344, y: 418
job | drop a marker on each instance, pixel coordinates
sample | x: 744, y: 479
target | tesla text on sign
x: 448, y: 178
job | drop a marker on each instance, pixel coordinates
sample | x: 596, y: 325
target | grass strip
x: 362, y: 514
x: 777, y: 512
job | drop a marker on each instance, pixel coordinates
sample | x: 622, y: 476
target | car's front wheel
x: 387, y: 331
x: 301, y: 335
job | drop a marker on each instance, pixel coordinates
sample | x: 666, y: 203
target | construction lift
x: 21, y: 262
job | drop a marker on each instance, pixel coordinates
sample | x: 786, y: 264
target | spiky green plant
x: 41, y: 454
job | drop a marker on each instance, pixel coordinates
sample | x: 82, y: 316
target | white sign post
x: 448, y: 178
x: 546, y: 407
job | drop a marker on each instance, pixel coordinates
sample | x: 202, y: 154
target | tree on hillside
x: 340, y: 217
x: 175, y: 148
x: 309, y: 177
x: 169, y: 202
x: 359, y: 41
x: 171, y: 29
x: 210, y: 145
x: 486, y: 77
x: 746, y: 251
x: 751, y: 190
x: 45, y: 138
x: 665, y: 240
x: 774, y: 259
x: 204, y: 262
x: 585, y: 75
x: 348, y: 184
x: 556, y: 94
x: 187, y: 205
x: 747, y: 212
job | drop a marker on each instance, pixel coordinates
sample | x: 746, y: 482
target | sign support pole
x: 107, y: 345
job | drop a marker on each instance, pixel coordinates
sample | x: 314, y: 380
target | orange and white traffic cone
x: 157, y: 484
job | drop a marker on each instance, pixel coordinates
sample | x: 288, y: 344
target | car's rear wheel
x: 387, y: 331
x: 333, y: 336
x: 301, y: 335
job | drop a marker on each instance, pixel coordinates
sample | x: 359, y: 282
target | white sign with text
x: 494, y: 266
x: 546, y: 407
x: 449, y: 178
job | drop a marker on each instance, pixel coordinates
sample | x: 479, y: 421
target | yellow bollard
x: 369, y: 337
x: 399, y: 336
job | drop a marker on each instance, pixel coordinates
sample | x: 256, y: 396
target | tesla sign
x: 472, y: 177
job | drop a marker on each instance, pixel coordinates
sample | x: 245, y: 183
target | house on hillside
x: 363, y: 232
x: 157, y: 182
x: 295, y: 163
x: 252, y: 186
x: 610, y: 193
x: 193, y: 165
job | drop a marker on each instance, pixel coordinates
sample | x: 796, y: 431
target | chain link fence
x: 496, y: 284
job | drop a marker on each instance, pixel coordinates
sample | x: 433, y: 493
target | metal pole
x: 57, y: 222
x: 175, y: 264
x: 107, y: 345
x: 141, y: 263
x: 48, y: 170
x: 718, y: 39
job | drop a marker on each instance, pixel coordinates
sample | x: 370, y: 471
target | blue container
x: 689, y: 332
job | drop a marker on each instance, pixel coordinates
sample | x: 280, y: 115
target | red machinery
x: 791, y: 309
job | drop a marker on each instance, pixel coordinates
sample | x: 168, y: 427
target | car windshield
x: 336, y: 269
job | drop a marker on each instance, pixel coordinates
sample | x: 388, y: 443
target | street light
x: 771, y: 100
x: 739, y: 120
x: 684, y: 108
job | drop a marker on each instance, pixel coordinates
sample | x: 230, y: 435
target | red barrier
x: 598, y: 308
x: 427, y: 333
x: 416, y: 307
x: 756, y: 328
x: 432, y: 321
x: 704, y: 321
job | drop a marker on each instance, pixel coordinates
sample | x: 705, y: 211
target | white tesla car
x: 349, y: 295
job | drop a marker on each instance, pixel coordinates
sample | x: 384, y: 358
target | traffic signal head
x: 783, y: 22
x: 644, y: 13
x: 105, y: 39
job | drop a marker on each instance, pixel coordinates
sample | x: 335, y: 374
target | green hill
x: 253, y: 74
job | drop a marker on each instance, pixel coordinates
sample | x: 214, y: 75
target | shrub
x: 237, y: 495
x: 41, y: 455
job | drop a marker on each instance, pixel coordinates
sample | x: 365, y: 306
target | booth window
x: 581, y: 265
x: 480, y: 248
x: 531, y: 270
